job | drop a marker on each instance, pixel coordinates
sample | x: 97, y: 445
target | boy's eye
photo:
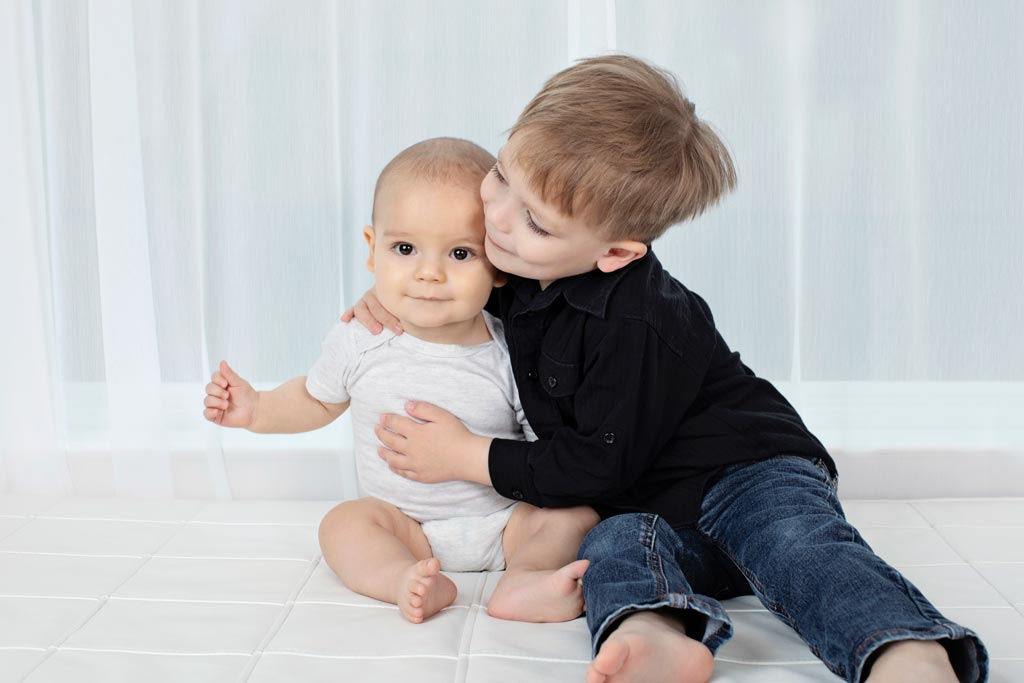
x: 536, y: 228
x: 497, y: 174
x: 461, y: 253
x: 404, y: 248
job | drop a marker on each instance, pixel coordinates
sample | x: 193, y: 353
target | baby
x: 426, y: 251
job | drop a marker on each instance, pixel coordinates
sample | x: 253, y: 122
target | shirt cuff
x: 507, y: 465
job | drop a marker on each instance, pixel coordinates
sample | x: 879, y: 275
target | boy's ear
x: 500, y: 279
x: 618, y: 254
x: 371, y: 238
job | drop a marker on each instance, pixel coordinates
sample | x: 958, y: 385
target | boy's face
x: 427, y: 253
x: 531, y: 238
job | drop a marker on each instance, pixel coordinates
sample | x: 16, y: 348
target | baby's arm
x: 290, y: 408
x: 233, y: 402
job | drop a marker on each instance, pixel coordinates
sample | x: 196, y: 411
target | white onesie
x: 463, y: 521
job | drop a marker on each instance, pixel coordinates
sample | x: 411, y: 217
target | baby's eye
x: 497, y: 174
x: 403, y: 248
x: 461, y: 254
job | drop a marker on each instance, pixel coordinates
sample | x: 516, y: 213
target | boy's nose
x: 496, y: 215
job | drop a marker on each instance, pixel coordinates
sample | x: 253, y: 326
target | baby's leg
x: 541, y: 581
x: 382, y: 553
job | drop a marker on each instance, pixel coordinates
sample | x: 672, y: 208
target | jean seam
x: 751, y: 579
x: 912, y: 594
x: 772, y: 606
x: 650, y: 539
x: 832, y: 483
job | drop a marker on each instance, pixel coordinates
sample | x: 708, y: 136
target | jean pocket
x: 819, y: 465
x: 830, y: 479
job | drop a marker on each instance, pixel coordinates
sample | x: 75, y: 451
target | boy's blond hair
x: 448, y: 161
x: 613, y: 141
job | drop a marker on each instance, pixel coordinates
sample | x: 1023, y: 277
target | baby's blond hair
x: 448, y: 161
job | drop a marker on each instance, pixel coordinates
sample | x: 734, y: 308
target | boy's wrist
x: 477, y: 462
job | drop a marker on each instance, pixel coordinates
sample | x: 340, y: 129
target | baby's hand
x: 372, y: 315
x: 230, y: 400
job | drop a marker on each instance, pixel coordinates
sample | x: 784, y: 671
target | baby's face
x: 427, y: 253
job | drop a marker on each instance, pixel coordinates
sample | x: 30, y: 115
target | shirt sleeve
x: 327, y: 380
x: 633, y: 394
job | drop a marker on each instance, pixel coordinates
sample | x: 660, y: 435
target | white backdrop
x: 184, y: 181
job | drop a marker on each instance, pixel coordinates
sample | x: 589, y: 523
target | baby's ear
x: 619, y: 254
x: 500, y: 279
x: 371, y: 239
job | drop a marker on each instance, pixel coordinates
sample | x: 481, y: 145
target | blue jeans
x: 774, y: 529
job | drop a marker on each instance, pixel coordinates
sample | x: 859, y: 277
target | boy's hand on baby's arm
x: 230, y: 400
x: 374, y: 317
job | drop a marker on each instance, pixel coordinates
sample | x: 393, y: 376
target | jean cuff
x: 717, y: 631
x: 966, y: 652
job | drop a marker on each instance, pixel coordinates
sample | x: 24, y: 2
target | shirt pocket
x: 558, y: 379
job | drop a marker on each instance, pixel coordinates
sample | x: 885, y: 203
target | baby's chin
x: 437, y: 323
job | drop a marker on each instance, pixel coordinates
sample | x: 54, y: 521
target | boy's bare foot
x: 540, y: 596
x: 921, y: 661
x: 423, y: 591
x: 649, y: 647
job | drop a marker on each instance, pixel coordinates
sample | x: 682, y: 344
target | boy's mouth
x: 497, y: 246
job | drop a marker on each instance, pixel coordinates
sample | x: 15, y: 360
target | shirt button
x: 609, y: 438
x: 552, y: 382
x: 532, y: 374
x: 517, y: 494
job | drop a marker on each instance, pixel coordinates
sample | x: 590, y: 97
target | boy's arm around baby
x: 631, y: 394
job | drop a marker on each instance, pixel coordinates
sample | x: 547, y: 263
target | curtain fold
x: 185, y: 182
x: 141, y: 463
x: 32, y: 423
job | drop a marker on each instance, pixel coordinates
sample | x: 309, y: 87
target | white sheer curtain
x: 184, y: 181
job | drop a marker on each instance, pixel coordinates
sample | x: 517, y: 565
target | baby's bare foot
x: 651, y: 648
x: 423, y: 591
x: 540, y: 596
x: 913, y: 660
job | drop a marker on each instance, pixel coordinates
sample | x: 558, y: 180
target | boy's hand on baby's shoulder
x: 369, y: 312
x: 230, y: 400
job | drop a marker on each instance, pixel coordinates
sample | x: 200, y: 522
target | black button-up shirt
x: 636, y: 399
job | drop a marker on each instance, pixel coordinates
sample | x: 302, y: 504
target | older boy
x: 427, y: 255
x: 709, y: 483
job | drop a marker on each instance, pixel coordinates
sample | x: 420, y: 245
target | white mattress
x: 126, y: 590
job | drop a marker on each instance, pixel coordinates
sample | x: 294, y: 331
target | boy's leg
x: 378, y: 551
x: 779, y: 520
x: 647, y: 608
x: 541, y: 580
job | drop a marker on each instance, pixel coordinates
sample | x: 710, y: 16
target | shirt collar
x: 588, y: 292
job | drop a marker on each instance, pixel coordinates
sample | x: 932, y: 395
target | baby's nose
x: 430, y: 272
